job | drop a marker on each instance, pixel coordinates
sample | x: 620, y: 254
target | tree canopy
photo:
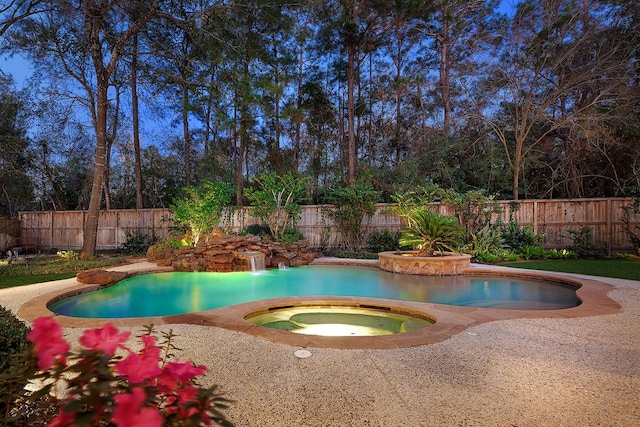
x: 538, y: 101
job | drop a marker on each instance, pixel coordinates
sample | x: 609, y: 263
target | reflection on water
x: 176, y: 293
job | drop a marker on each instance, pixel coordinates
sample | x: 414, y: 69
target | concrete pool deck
x: 560, y: 371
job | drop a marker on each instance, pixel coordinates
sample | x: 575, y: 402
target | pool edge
x: 450, y: 320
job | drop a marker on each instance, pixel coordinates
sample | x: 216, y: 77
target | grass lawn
x: 44, y: 269
x: 621, y: 268
x: 11, y: 281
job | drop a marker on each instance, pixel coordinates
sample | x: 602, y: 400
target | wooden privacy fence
x: 9, y: 234
x: 64, y: 229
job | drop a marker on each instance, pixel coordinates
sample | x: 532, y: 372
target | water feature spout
x: 255, y: 260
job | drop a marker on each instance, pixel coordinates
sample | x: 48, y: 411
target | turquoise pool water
x: 164, y: 294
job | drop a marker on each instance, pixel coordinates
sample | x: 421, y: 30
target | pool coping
x: 450, y: 320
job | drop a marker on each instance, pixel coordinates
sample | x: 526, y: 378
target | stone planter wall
x: 226, y: 253
x: 449, y: 264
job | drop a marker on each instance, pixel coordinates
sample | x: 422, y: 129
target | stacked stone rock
x: 221, y: 253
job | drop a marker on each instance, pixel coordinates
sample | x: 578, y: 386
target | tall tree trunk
x: 136, y: 123
x: 242, y: 149
x: 517, y: 167
x: 208, y: 114
x: 276, y: 113
x: 237, y: 142
x: 398, y: 93
x: 445, y: 75
x: 91, y: 221
x: 93, y: 14
x: 298, y: 122
x: 111, y: 137
x: 351, y: 135
x: 105, y: 177
x: 187, y: 136
x: 445, y: 88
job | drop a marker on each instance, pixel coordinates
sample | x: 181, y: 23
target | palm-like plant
x: 429, y: 232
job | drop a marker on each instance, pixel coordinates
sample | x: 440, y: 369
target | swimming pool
x: 165, y: 294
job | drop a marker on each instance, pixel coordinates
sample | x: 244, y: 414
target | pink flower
x: 130, y: 412
x: 184, y: 404
x: 140, y: 367
x: 47, y: 337
x: 185, y: 372
x: 106, y: 339
x: 176, y: 373
x: 149, y: 350
x: 64, y: 419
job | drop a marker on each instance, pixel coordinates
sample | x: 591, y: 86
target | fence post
x: 535, y: 217
x: 609, y: 226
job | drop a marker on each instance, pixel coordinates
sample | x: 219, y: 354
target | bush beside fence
x: 64, y: 229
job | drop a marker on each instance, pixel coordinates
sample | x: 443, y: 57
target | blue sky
x: 17, y: 67
x: 20, y: 68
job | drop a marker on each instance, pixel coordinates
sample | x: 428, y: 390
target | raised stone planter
x: 447, y: 264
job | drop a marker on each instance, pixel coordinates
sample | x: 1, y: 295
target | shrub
x: 532, y: 252
x: 256, y: 230
x: 486, y: 257
x: 105, y: 389
x: 509, y: 256
x: 13, y: 343
x: 485, y: 244
x: 473, y: 209
x: 560, y: 254
x: 428, y: 232
x: 137, y: 243
x: 69, y: 255
x: 582, y: 241
x: 383, y: 240
x: 276, y: 200
x: 351, y: 205
x: 288, y: 235
x: 13, y: 337
x: 291, y: 235
x: 628, y: 212
x: 202, y: 208
x: 350, y: 254
x: 418, y: 198
x: 516, y: 238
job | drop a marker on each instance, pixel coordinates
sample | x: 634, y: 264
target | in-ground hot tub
x: 339, y: 320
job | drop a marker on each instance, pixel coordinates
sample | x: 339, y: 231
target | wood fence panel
x: 315, y: 225
x: 162, y: 220
x: 67, y: 229
x: 9, y: 234
x: 619, y: 238
x: 524, y: 212
x: 36, y: 228
x: 386, y: 218
x: 131, y: 221
x: 107, y: 230
x: 64, y: 229
x: 239, y: 219
x: 555, y: 218
x: 552, y: 219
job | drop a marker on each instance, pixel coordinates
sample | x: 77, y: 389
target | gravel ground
x: 527, y: 372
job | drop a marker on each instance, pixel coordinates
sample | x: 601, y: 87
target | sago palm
x: 429, y: 232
